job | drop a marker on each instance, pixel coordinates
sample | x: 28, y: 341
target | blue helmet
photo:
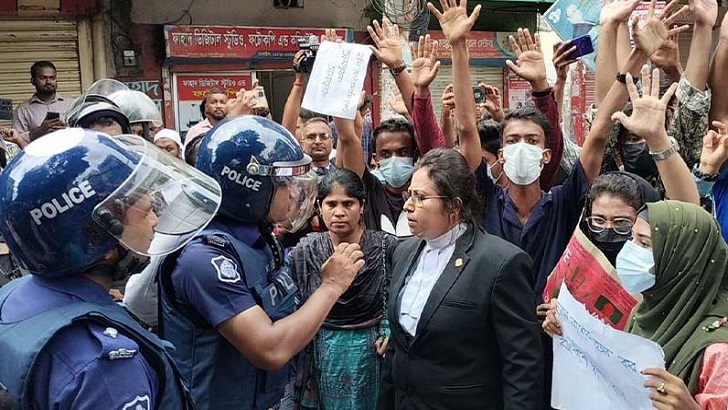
x: 250, y: 157
x: 67, y: 200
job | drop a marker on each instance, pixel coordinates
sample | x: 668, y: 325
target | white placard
x: 337, y: 79
x: 597, y: 367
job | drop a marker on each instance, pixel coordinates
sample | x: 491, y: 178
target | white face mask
x: 523, y: 162
x: 490, y: 173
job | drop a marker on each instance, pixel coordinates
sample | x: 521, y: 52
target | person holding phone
x: 42, y: 113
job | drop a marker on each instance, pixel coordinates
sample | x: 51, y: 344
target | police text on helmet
x: 241, y: 179
x: 68, y: 200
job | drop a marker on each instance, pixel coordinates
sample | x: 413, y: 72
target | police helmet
x: 137, y: 106
x: 67, y: 200
x: 251, y: 157
x: 90, y: 111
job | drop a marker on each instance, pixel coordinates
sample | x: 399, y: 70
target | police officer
x: 100, y: 114
x: 227, y: 301
x: 79, y: 210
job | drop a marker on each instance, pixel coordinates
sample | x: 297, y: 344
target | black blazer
x: 478, y: 343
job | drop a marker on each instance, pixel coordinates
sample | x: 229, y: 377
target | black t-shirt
x: 383, y: 210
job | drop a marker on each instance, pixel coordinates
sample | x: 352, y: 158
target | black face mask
x: 609, y: 242
x: 637, y: 160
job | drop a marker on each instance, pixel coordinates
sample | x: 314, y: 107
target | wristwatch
x: 398, y: 69
x: 704, y: 177
x: 622, y: 78
x: 663, y: 155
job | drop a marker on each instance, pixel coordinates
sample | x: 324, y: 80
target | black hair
x: 451, y: 175
x: 103, y: 121
x: 191, y: 149
x: 202, y: 107
x: 214, y: 90
x: 349, y: 180
x: 39, y: 65
x: 395, y: 125
x: 316, y: 119
x: 489, y: 132
x: 617, y: 184
x: 368, y: 100
x: 529, y: 113
x: 306, y: 115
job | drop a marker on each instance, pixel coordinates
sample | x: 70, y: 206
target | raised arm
x: 292, y: 109
x: 561, y: 63
x: 456, y: 25
x: 349, y: 152
x: 531, y: 67
x: 698, y: 67
x: 613, y: 14
x: 718, y: 78
x: 592, y: 151
x: 388, y: 50
x: 690, y: 121
x: 447, y: 123
x: 647, y: 121
x: 648, y: 39
x: 424, y: 71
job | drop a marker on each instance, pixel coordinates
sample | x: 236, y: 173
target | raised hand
x: 425, y: 66
x: 243, y: 103
x: 388, y: 45
x: 454, y: 19
x: 561, y: 59
x: 341, y: 268
x: 448, y: 99
x: 330, y: 35
x: 715, y: 149
x: 617, y: 11
x: 667, y: 57
x: 493, y: 103
x: 529, y: 63
x: 705, y: 12
x: 648, y: 111
x: 654, y: 32
x: 398, y: 105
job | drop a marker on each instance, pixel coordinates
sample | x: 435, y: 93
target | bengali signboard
x: 190, y: 89
x: 481, y: 45
x: 152, y: 88
x: 247, y: 43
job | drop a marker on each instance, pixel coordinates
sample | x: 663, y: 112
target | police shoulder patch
x: 227, y: 270
x: 139, y: 403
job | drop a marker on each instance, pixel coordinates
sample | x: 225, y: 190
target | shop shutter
x: 23, y: 42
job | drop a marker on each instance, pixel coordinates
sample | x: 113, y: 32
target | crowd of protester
x: 333, y: 263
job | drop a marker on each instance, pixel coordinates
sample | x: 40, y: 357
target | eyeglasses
x: 419, y: 200
x: 313, y: 137
x: 622, y: 226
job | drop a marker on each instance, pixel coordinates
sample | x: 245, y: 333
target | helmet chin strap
x: 129, y: 264
x: 266, y: 230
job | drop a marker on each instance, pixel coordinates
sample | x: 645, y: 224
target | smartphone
x: 583, y: 46
x: 52, y: 116
x: 479, y: 94
x: 260, y: 100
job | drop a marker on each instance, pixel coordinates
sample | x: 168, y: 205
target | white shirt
x: 432, y: 262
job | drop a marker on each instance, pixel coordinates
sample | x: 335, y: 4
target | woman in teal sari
x: 340, y: 369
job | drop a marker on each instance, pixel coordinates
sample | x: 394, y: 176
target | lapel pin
x: 458, y: 262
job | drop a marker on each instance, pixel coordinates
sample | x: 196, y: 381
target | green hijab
x: 691, y: 288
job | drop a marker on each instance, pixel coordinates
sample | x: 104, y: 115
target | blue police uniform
x: 225, y: 271
x: 85, y: 364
